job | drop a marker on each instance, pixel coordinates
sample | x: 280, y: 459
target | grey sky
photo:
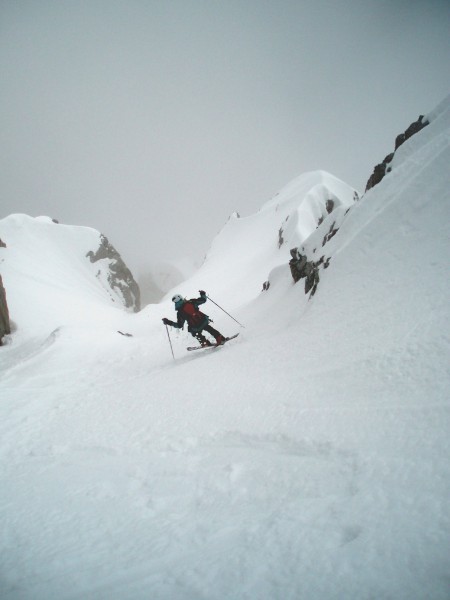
x: 152, y: 120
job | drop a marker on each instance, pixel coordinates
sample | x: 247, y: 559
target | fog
x: 152, y: 121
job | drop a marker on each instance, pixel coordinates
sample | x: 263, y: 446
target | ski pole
x: 227, y: 313
x: 170, y: 342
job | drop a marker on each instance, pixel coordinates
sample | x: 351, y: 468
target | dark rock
x: 332, y: 232
x: 399, y: 140
x: 119, y: 275
x: 280, y: 237
x: 412, y: 129
x: 382, y: 168
x: 377, y: 175
x: 312, y: 281
x: 302, y: 268
x: 329, y: 207
x: 5, y: 325
x: 2, y: 244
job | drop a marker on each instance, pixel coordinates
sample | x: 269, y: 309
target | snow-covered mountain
x: 247, y: 249
x: 307, y: 459
x: 53, y: 272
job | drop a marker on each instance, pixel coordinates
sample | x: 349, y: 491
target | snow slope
x: 247, y: 249
x: 308, y: 459
x: 50, y: 280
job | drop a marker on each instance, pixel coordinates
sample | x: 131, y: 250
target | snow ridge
x: 247, y: 249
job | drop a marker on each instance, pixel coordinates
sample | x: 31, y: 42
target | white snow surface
x: 307, y: 459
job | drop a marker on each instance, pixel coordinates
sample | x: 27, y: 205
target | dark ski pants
x: 201, y: 338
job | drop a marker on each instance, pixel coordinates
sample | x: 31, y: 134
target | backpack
x: 195, y: 317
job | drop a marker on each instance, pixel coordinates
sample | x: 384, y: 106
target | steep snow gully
x: 305, y: 460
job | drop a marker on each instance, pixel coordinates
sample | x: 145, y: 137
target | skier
x: 187, y: 310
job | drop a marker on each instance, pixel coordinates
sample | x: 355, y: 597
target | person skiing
x: 187, y: 310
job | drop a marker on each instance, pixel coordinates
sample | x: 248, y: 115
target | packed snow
x: 306, y: 459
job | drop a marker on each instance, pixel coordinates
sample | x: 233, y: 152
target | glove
x: 166, y: 321
x: 202, y: 293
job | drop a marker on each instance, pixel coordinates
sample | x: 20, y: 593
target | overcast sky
x: 153, y: 120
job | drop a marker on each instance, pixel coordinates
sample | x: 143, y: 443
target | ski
x: 190, y: 348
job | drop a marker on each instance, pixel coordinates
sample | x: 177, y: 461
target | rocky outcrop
x: 119, y: 276
x: 302, y: 268
x: 412, y: 130
x: 5, y: 326
x: 382, y: 168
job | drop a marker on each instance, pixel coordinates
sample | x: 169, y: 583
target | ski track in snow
x: 16, y: 357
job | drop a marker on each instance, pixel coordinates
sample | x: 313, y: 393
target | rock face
x: 382, y: 168
x: 302, y: 265
x: 302, y: 268
x: 119, y: 275
x: 5, y: 327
